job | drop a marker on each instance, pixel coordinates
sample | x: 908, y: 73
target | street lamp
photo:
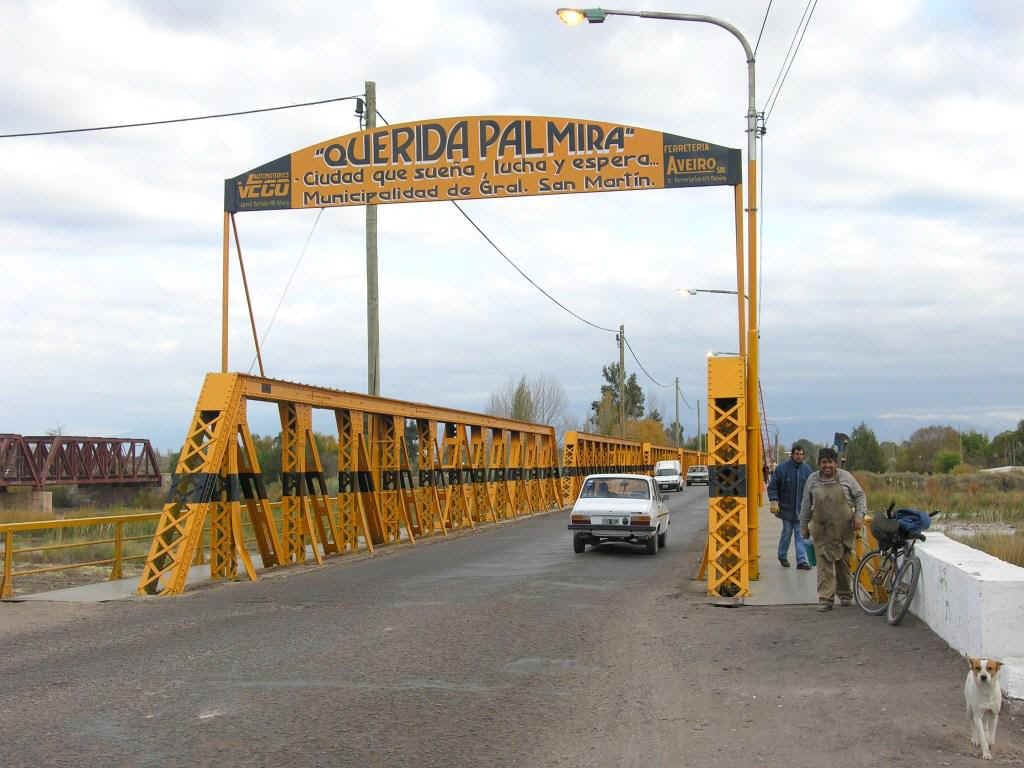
x: 695, y: 291
x: 574, y: 16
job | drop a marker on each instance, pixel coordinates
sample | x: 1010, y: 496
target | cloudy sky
x: 892, y: 210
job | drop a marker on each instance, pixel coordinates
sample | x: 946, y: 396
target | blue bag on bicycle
x: 913, y: 520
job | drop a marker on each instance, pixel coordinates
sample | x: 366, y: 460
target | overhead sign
x: 473, y: 158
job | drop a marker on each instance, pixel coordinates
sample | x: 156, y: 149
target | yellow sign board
x: 473, y: 158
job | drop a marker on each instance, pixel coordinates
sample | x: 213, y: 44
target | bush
x: 945, y: 461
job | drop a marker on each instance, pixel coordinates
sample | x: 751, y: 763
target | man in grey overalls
x: 833, y: 507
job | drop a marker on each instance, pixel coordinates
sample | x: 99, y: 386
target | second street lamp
x: 574, y: 16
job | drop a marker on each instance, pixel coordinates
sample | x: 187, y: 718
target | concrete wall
x: 975, y: 602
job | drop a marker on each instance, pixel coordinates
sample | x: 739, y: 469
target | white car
x: 667, y: 476
x: 697, y: 475
x: 623, y: 508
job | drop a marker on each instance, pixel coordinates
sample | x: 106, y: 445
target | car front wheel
x: 652, y: 544
x: 579, y: 544
x: 663, y: 538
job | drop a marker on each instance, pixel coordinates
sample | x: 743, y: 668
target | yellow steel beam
x: 276, y: 391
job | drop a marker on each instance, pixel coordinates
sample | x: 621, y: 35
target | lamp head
x: 575, y: 16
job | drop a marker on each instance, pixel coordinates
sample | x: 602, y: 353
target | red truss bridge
x: 39, y: 461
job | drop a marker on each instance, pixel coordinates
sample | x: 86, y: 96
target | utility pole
x: 372, y: 296
x: 677, y: 412
x: 700, y: 435
x: 622, y: 381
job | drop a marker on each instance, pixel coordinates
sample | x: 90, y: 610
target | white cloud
x: 891, y: 226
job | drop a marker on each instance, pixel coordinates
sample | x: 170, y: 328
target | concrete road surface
x: 499, y: 647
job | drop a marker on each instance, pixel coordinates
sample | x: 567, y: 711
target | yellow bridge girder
x: 469, y: 468
x: 586, y: 454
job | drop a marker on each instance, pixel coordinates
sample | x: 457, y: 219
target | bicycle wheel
x: 872, y: 582
x: 903, y: 590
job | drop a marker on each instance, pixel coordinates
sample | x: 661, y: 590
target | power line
x: 775, y: 97
x: 179, y: 119
x: 515, y: 266
x: 763, y: 22
x: 789, y: 51
x: 302, y: 255
x: 665, y: 386
x: 526, y: 276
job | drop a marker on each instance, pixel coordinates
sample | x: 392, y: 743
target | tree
x: 673, y: 432
x: 918, y: 454
x: 541, y: 400
x: 863, y: 451
x: 646, y: 431
x: 606, y: 416
x: 810, y: 451
x: 975, y: 447
x: 945, y: 461
x: 1008, y: 447
x: 634, y: 399
x: 889, y: 452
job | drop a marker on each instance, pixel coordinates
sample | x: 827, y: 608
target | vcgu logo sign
x: 257, y: 187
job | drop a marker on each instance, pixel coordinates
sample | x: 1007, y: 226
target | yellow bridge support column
x: 196, y: 488
x: 728, y: 565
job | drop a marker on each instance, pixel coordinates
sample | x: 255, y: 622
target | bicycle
x: 886, y: 578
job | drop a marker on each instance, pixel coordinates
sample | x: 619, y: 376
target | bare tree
x: 549, y: 399
x: 541, y: 400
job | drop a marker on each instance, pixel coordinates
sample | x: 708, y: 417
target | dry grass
x: 979, y: 498
x: 1008, y: 547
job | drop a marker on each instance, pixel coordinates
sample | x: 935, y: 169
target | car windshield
x: 697, y: 469
x: 616, y: 488
x: 668, y: 471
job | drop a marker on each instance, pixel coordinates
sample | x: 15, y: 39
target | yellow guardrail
x: 48, y: 539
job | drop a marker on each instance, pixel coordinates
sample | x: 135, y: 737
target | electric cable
x: 769, y: 108
x: 273, y: 317
x: 179, y: 119
x: 763, y: 22
x: 664, y: 386
x: 789, y: 51
x: 515, y: 266
x: 526, y: 276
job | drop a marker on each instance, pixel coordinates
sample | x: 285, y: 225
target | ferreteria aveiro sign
x: 472, y: 158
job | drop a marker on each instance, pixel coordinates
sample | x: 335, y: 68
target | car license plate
x: 610, y: 521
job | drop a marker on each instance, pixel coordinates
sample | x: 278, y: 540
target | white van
x: 668, y: 476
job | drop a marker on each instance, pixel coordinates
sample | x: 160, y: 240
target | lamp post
x: 695, y: 291
x: 574, y: 16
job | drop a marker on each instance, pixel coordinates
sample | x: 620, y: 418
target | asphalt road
x: 499, y: 647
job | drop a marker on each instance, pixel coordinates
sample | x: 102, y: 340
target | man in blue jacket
x: 785, y: 490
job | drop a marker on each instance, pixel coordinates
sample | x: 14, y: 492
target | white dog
x: 984, y: 699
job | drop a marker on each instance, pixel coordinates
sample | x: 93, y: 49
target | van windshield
x: 665, y: 471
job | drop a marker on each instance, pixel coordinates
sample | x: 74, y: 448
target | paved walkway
x: 778, y: 585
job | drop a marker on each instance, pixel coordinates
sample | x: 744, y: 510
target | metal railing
x: 49, y: 539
